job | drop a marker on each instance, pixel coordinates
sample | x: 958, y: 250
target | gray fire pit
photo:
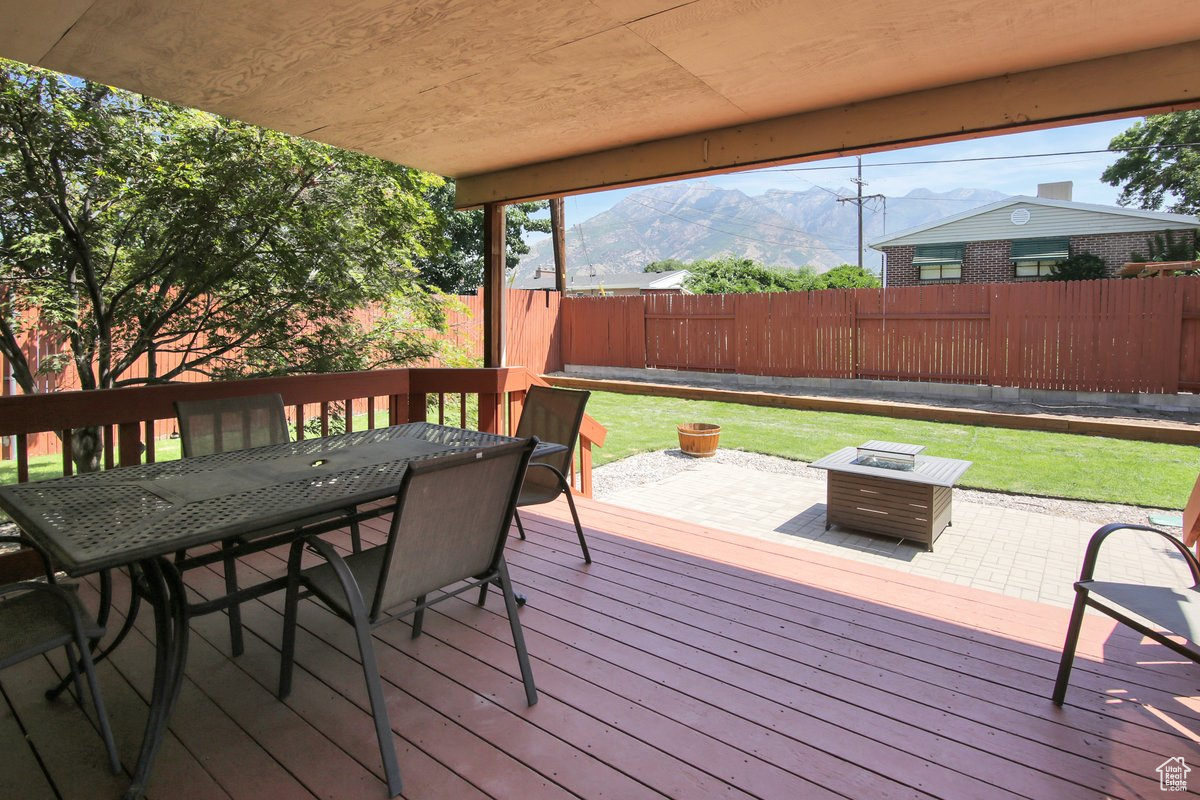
x: 890, y: 488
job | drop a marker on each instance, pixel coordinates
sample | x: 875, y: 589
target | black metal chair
x: 238, y: 423
x: 1157, y: 612
x: 39, y: 616
x: 449, y: 526
x: 552, y: 415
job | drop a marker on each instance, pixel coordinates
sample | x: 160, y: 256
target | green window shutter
x: 1041, y: 249
x: 938, y: 254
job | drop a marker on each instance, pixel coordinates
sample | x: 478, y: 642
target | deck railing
x: 132, y: 421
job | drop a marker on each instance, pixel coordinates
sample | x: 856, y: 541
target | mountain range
x: 699, y: 220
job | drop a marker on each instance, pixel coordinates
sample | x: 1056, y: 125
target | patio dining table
x: 137, y: 517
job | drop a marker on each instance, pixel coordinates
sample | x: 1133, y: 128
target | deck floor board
x: 684, y: 663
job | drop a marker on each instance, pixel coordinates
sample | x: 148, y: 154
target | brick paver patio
x: 1025, y: 554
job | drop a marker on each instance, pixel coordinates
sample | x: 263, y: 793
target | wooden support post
x: 491, y: 413
x: 129, y: 444
x: 516, y: 402
x: 416, y: 406
x: 493, y: 285
x: 585, y: 467
x: 558, y: 235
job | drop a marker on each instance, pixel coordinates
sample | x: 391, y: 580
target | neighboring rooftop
x: 1018, y: 218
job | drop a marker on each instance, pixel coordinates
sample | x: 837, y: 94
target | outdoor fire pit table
x: 889, y: 488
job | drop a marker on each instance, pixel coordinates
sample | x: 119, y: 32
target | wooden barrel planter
x: 699, y: 439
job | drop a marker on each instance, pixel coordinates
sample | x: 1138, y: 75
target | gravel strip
x: 659, y: 465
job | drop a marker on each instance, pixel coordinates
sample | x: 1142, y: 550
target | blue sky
x: 1011, y: 176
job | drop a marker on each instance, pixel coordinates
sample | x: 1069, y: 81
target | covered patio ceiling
x: 520, y: 99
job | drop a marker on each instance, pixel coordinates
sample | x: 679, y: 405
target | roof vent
x: 1056, y: 191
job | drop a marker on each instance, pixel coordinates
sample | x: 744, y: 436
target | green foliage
x: 1079, y: 267
x: 1161, y: 173
x: 666, y: 265
x: 456, y: 265
x: 1170, y: 246
x: 743, y: 276
x: 848, y: 276
x: 145, y: 229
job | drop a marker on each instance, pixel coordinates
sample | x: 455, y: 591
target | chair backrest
x: 553, y: 415
x: 230, y: 423
x: 451, y: 521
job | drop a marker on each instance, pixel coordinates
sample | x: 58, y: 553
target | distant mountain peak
x: 700, y: 220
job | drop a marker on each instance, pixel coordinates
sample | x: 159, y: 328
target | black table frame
x: 143, y: 537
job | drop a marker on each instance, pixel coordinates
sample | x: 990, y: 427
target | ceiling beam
x: 1148, y: 81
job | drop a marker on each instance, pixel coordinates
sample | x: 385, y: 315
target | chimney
x: 1055, y: 191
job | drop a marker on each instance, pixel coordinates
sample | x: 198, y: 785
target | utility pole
x: 858, y: 201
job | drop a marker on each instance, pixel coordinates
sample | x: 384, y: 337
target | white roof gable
x: 1034, y: 217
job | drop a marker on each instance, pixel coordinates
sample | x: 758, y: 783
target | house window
x: 1036, y: 258
x: 939, y: 262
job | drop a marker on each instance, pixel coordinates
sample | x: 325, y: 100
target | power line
x: 984, y: 158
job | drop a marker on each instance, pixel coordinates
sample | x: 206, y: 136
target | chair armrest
x: 1101, y: 535
x: 35, y: 547
x: 562, y: 479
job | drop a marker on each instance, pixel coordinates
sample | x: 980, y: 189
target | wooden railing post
x: 516, y: 402
x: 491, y: 413
x: 585, y: 466
x: 129, y: 444
x: 417, y: 403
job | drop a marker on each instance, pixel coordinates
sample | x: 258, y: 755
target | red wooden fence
x: 534, y: 330
x: 1107, y: 336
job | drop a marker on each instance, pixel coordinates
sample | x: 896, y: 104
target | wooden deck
x: 684, y: 663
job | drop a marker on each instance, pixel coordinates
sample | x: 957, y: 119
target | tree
x: 1079, y: 267
x: 1161, y: 164
x: 848, y: 276
x: 743, y: 276
x: 665, y: 265
x: 144, y: 231
x: 456, y: 267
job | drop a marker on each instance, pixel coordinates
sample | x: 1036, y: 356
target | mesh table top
x: 105, y: 519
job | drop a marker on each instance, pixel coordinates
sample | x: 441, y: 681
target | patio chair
x: 38, y: 616
x: 1157, y: 612
x: 237, y: 423
x: 552, y: 415
x: 449, y: 526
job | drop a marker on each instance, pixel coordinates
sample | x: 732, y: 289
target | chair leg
x: 383, y: 728
x: 1068, y: 652
x: 418, y: 617
x: 587, y: 557
x: 290, y: 603
x: 483, y: 591
x: 236, y: 644
x: 514, y: 622
x: 74, y: 664
x: 520, y: 527
x: 89, y: 670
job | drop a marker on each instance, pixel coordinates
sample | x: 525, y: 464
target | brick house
x: 1020, y: 239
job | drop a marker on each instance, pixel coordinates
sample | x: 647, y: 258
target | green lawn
x: 1023, y: 462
